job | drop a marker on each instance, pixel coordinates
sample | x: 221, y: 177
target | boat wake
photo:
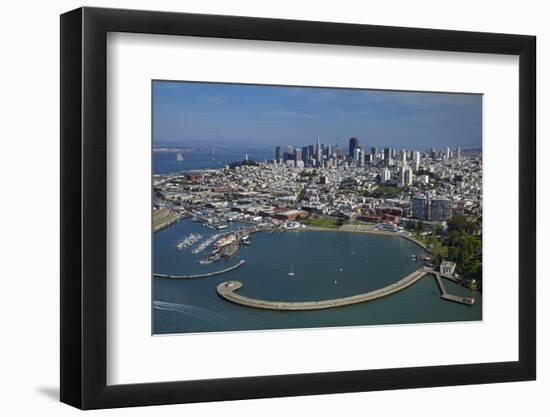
x: 188, y: 310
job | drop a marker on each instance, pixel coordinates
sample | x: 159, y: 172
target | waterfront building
x: 419, y: 207
x: 353, y: 144
x: 447, y: 267
x: 441, y: 208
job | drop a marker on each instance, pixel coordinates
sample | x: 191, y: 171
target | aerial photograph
x: 296, y: 207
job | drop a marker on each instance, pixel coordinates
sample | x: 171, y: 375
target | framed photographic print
x: 258, y: 207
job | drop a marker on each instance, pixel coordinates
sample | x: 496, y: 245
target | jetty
x: 209, y: 274
x: 227, y: 290
x: 446, y: 296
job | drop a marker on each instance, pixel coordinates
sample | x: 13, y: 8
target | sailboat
x: 213, y: 154
x: 179, y: 157
x: 291, y: 273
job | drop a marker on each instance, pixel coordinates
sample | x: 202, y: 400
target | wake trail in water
x: 189, y: 310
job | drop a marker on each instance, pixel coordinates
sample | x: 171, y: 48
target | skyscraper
x: 305, y: 154
x: 328, y: 151
x: 278, y: 154
x: 356, y: 156
x: 353, y: 144
x: 298, y: 155
x: 319, y: 153
x: 311, y: 151
x: 458, y: 153
x: 416, y: 157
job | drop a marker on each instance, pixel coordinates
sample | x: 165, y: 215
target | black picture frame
x: 84, y: 207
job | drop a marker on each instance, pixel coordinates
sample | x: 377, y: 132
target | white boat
x: 291, y: 273
x: 179, y: 157
x: 188, y: 241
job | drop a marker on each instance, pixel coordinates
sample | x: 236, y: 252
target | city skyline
x: 190, y: 112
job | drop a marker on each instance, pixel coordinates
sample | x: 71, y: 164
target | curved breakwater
x: 208, y: 274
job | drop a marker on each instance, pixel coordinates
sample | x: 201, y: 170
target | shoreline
x: 363, y: 229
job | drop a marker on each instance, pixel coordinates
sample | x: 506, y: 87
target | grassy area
x: 328, y: 222
x: 384, y: 191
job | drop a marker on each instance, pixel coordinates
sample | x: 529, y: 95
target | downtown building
x: 353, y: 145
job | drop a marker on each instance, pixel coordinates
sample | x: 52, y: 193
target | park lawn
x: 327, y: 222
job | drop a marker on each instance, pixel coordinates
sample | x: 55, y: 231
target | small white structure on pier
x: 447, y: 267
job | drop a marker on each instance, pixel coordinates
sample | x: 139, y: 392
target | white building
x: 447, y: 267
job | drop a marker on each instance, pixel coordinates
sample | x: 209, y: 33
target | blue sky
x: 191, y: 113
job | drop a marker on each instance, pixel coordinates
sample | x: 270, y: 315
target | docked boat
x: 188, y: 241
x: 230, y: 250
x: 245, y: 240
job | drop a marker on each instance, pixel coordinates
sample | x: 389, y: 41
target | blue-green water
x: 326, y: 264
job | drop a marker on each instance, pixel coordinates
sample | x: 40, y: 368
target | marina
x: 188, y: 241
x: 324, y: 268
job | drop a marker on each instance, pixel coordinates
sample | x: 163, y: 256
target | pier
x: 227, y: 290
x: 446, y: 296
x: 209, y: 274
